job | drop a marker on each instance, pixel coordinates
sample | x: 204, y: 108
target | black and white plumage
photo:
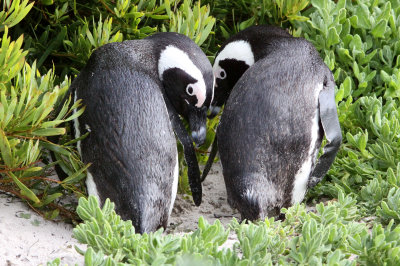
x: 274, y: 120
x: 236, y: 55
x: 134, y: 92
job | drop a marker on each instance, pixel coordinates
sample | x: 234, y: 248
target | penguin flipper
x: 330, y: 124
x: 211, y: 157
x: 189, y: 152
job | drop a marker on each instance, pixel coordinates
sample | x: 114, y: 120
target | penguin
x: 236, y: 55
x: 280, y: 103
x: 135, y: 92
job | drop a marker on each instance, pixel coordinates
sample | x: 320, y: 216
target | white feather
x: 213, y: 88
x: 174, y: 184
x: 238, y: 50
x: 172, y: 57
x: 91, y: 186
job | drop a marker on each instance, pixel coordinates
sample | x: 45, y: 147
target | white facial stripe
x: 239, y: 50
x: 173, y: 57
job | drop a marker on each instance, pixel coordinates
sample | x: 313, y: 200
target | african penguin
x: 274, y: 120
x: 236, y: 56
x: 134, y: 92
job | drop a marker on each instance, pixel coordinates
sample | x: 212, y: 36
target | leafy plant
x: 27, y: 99
x: 359, y: 43
x: 84, y: 42
x: 390, y: 208
x: 234, y: 16
x: 331, y: 236
x: 196, y: 23
x: 13, y: 12
x: 111, y: 239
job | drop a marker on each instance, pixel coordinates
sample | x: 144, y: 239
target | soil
x: 185, y: 214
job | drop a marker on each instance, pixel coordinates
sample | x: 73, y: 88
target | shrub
x: 330, y: 236
x: 27, y: 99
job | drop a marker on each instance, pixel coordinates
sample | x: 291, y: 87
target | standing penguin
x: 134, y: 92
x: 281, y: 105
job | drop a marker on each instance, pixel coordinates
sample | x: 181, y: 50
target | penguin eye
x: 189, y: 90
x: 222, y: 74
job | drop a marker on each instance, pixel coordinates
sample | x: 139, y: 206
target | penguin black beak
x: 197, y: 122
x: 199, y: 136
x: 214, y: 110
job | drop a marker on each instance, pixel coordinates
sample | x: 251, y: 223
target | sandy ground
x: 27, y: 239
x: 185, y: 214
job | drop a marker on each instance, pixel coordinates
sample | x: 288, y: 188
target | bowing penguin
x: 134, y: 92
x: 280, y: 103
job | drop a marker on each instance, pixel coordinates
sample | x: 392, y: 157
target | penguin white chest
x: 303, y: 174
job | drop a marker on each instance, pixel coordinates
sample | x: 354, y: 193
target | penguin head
x: 188, y: 82
x: 238, y: 54
x: 231, y: 62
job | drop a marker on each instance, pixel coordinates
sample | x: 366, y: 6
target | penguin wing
x: 330, y: 124
x: 188, y: 149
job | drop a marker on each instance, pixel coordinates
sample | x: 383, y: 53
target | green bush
x: 360, y: 44
x: 27, y: 99
x: 331, y: 236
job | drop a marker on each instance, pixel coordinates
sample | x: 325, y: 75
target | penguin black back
x: 120, y: 110
x: 272, y: 126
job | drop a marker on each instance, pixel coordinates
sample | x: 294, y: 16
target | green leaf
x: 49, y: 132
x: 55, y: 43
x: 319, y: 4
x: 378, y: 31
x: 24, y: 190
x: 333, y: 37
x: 76, y: 176
x: 55, y: 148
x: 363, y: 15
x: 385, y: 77
x: 76, y: 114
x: 247, y: 23
x: 51, y: 123
x: 297, y: 18
x: 48, y: 199
x: 168, y: 8
x: 6, y: 150
x: 47, y: 2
